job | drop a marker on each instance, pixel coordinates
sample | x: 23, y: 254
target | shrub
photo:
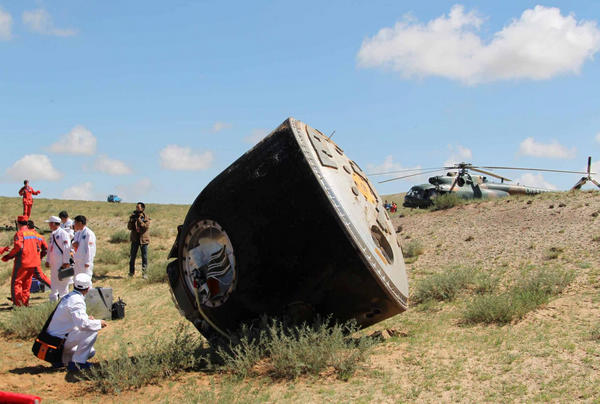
x: 446, y: 201
x: 121, y: 236
x: 110, y: 257
x: 528, y: 293
x: 157, y: 272
x: 27, y: 322
x: 442, y: 286
x: 595, y: 333
x: 412, y: 249
x: 288, y: 352
x: 161, y: 356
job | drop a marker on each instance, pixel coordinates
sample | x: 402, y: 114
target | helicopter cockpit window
x: 414, y: 193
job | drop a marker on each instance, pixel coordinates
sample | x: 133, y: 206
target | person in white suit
x: 71, y: 321
x: 85, y: 247
x: 59, y: 254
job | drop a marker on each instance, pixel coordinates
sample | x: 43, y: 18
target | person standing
x: 140, y: 238
x: 66, y: 223
x: 26, y: 192
x: 39, y: 273
x: 59, y: 254
x: 27, y: 252
x: 70, y: 321
x: 85, y: 247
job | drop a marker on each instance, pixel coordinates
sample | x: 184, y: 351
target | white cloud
x: 40, y: 21
x: 554, y: 150
x: 179, y: 158
x: 541, y: 44
x: 458, y: 154
x: 110, y: 166
x: 82, y: 192
x: 5, y: 25
x: 256, y: 136
x: 33, y: 167
x: 535, y: 180
x: 598, y: 137
x: 135, y: 191
x: 219, y: 126
x: 78, y: 141
x: 389, y: 165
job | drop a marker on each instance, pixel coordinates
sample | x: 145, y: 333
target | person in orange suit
x: 39, y: 273
x: 28, y: 249
x: 26, y: 192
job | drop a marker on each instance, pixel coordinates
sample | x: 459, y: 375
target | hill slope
x: 552, y: 353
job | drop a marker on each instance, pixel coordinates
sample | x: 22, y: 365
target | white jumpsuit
x: 68, y: 226
x: 71, y: 320
x: 86, y: 251
x: 59, y: 252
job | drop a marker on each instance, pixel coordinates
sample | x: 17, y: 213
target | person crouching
x: 71, y: 321
x: 59, y: 254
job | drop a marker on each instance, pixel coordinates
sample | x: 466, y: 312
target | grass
x: 288, y: 352
x: 413, y: 248
x: 27, y: 322
x: 443, y: 286
x: 120, y: 236
x: 161, y: 356
x: 157, y: 271
x: 446, y: 201
x: 530, y: 291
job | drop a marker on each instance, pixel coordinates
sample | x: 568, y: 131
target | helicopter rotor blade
x: 589, y: 165
x: 532, y: 169
x: 407, y: 176
x: 404, y: 170
x: 454, y: 183
x: 491, y: 174
x: 595, y: 182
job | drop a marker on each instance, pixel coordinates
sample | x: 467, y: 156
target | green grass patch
x: 288, y: 352
x: 110, y: 257
x: 530, y: 291
x: 412, y: 249
x: 442, y: 286
x: 446, y: 201
x: 121, y: 236
x: 27, y: 322
x: 160, y: 356
x: 157, y: 271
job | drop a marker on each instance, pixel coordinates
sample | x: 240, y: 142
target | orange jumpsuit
x: 29, y: 247
x: 27, y: 192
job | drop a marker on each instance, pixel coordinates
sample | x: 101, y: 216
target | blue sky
x: 98, y: 97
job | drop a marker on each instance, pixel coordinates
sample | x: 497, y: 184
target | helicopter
x: 474, y: 186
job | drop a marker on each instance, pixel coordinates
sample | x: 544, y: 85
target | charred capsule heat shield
x: 292, y: 228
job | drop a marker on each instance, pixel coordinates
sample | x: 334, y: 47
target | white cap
x: 53, y: 219
x: 82, y: 281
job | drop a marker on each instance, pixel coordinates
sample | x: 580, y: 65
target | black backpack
x: 118, y: 309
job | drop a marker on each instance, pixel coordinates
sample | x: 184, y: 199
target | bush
x: 446, y: 201
x: 157, y: 272
x: 121, y: 236
x: 528, y: 293
x: 442, y: 286
x: 110, y: 257
x: 412, y: 249
x: 160, y: 357
x: 306, y: 349
x: 27, y: 322
x: 553, y: 253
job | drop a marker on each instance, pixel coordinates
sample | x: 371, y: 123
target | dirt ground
x: 549, y: 355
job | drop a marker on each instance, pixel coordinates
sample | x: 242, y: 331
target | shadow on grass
x: 35, y: 370
x: 104, y: 276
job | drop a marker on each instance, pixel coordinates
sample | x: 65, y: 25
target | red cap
x: 22, y: 218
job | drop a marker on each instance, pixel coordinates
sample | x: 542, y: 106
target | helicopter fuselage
x: 466, y: 186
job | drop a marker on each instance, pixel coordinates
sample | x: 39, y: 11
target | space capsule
x: 292, y: 228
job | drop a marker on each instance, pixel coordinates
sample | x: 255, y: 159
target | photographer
x: 140, y: 238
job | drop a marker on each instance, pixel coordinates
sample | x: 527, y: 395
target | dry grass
x: 549, y: 354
